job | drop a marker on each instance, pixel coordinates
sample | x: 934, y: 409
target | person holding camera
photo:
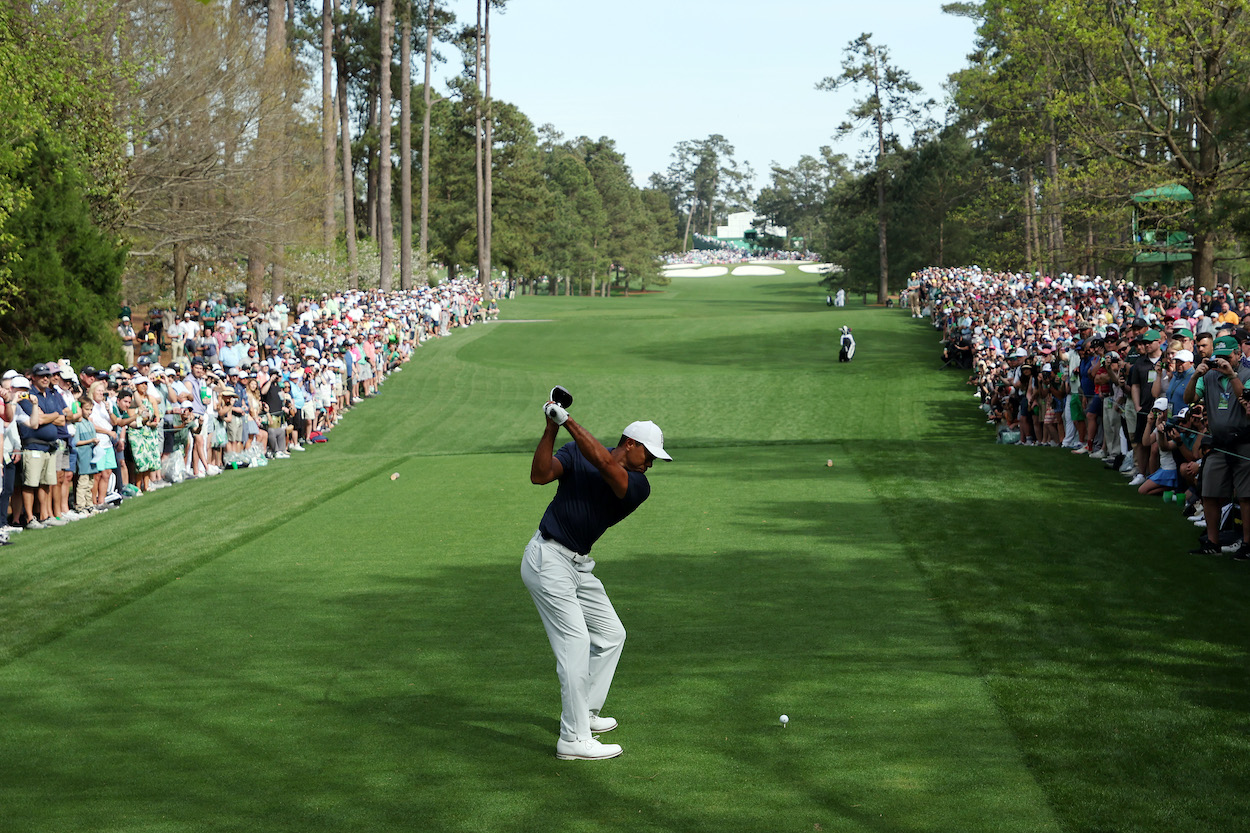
x: 1219, y: 385
x: 1051, y: 390
x: 1141, y: 379
x: 1161, y: 437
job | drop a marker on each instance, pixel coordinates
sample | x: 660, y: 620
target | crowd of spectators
x: 1149, y: 380
x: 718, y: 252
x: 238, y: 387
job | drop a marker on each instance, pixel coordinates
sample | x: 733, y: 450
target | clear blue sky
x: 652, y: 73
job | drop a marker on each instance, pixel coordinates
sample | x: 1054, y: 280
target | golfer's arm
x: 613, y: 472
x: 545, y: 467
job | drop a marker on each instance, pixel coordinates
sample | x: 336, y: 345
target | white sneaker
x: 1098, y: 455
x: 55, y: 521
x: 602, y: 724
x: 1138, y: 480
x: 586, y: 750
x: 8, y: 529
x: 213, y: 470
x: 295, y: 448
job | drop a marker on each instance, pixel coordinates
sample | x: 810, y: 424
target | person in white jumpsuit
x: 597, y: 488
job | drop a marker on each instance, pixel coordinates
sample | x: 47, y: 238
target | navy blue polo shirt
x: 584, y: 506
x: 45, y: 436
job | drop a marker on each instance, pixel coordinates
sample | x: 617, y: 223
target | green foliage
x: 939, y: 210
x: 889, y: 96
x: 796, y: 196
x: 577, y: 224
x: 1108, y: 99
x: 54, y: 77
x: 704, y: 183
x: 58, y: 66
x: 68, y: 279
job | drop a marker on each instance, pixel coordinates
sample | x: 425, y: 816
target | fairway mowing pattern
x: 314, y: 645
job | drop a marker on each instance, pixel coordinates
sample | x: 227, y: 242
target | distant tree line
x: 1064, y: 111
x: 287, y: 146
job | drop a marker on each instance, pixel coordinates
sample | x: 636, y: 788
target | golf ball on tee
x: 828, y: 462
x: 784, y: 720
x: 395, y: 476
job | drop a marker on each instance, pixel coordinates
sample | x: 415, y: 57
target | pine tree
x: 68, y: 271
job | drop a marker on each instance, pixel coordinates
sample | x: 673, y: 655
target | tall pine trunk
x: 1054, y: 204
x: 1028, y: 220
x: 883, y: 289
x: 327, y: 126
x: 423, y: 258
x: 386, y: 232
x: 268, y: 139
x: 477, y: 145
x: 349, y: 178
x: 405, y: 149
x: 488, y: 142
x: 371, y: 173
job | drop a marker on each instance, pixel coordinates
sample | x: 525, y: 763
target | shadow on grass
x: 1102, y: 641
x: 804, y: 350
x: 430, y: 699
x: 425, y: 696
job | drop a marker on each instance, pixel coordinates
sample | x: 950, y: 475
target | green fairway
x: 966, y: 637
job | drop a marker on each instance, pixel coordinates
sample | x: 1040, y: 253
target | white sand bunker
x: 758, y: 270
x: 703, y: 272
x: 816, y: 268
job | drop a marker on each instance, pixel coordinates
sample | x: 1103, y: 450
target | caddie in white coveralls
x: 598, y: 488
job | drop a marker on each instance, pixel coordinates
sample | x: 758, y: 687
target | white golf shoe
x: 602, y: 724
x: 586, y: 750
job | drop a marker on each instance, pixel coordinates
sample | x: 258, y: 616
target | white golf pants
x: 585, y: 632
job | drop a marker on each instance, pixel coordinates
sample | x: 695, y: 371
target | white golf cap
x: 650, y: 435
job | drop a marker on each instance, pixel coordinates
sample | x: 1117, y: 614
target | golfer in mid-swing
x: 597, y: 488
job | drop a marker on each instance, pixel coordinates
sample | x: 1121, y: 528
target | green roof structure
x: 1177, y: 193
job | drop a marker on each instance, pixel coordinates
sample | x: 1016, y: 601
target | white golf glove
x: 555, y: 413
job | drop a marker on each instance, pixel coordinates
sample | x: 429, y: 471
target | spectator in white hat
x: 127, y: 334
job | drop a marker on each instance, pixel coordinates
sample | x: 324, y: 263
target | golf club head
x: 561, y: 397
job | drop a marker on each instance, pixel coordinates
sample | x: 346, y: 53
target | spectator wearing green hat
x: 1219, y: 387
